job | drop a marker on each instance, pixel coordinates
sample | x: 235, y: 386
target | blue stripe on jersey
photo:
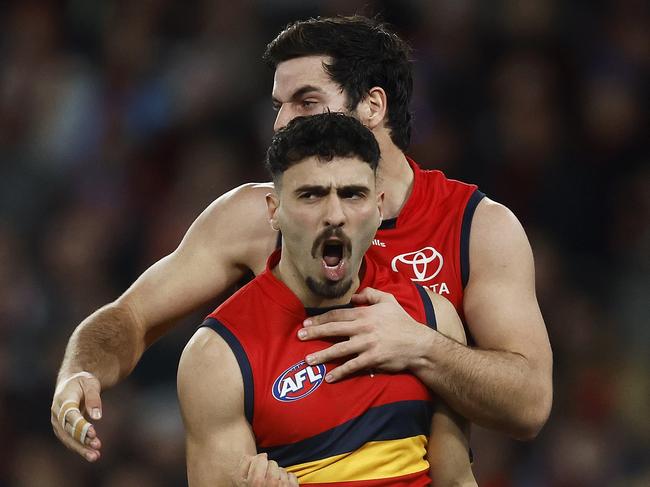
x: 388, y: 224
x: 428, y: 308
x: 242, y: 360
x: 392, y: 421
x: 465, y: 228
x: 323, y: 310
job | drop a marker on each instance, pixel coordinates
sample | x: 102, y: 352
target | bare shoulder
x: 499, y: 301
x: 492, y: 219
x: 245, y: 205
x: 211, y: 397
x: 447, y: 320
x: 496, y: 236
x: 208, y: 397
x: 204, y: 348
x: 249, y: 193
x: 237, y: 226
x: 205, y: 351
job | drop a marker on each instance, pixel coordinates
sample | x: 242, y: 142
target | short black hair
x: 365, y: 53
x: 326, y: 136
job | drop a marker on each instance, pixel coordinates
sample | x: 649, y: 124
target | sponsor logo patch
x: 298, y: 381
x: 423, y: 265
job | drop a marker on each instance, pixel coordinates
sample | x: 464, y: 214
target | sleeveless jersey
x: 429, y: 240
x: 366, y: 430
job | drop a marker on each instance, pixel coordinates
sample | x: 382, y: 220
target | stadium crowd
x: 121, y: 121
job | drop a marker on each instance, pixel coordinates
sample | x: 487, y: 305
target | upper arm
x: 499, y: 302
x: 447, y: 320
x: 229, y: 237
x: 448, y: 448
x: 211, y: 396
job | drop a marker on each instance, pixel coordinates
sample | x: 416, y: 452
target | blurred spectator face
x: 301, y: 87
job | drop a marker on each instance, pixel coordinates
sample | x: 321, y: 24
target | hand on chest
x: 293, y: 401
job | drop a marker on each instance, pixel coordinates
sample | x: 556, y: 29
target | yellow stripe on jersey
x: 374, y: 460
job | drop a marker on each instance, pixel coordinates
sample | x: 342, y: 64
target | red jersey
x: 429, y: 240
x: 367, y: 430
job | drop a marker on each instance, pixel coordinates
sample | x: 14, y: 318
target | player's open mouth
x: 332, y: 252
x: 334, y: 260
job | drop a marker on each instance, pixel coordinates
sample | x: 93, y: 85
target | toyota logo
x: 426, y: 263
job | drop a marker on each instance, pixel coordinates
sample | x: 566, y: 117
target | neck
x: 288, y: 274
x: 394, y: 176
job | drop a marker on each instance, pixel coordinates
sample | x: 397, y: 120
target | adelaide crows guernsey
x: 429, y: 240
x: 367, y: 430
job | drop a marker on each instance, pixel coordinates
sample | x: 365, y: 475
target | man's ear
x: 272, y: 205
x: 372, y: 109
x: 380, y: 205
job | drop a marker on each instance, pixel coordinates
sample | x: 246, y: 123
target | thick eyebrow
x: 300, y: 92
x: 352, y: 188
x: 318, y: 189
x: 312, y: 188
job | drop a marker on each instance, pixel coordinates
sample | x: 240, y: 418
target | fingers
x: 340, y: 350
x: 89, y: 451
x: 342, y: 329
x: 283, y: 477
x: 244, y: 466
x: 350, y: 367
x: 370, y: 296
x: 273, y: 474
x: 68, y: 423
x: 337, y: 351
x: 92, y: 400
x: 287, y: 479
x: 345, y: 314
x: 77, y: 426
x: 259, y: 471
x: 66, y: 408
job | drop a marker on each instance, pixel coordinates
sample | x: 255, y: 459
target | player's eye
x: 276, y: 106
x: 352, y: 194
x: 313, y: 194
x: 307, y: 104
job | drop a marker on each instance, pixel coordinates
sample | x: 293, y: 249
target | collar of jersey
x: 281, y: 294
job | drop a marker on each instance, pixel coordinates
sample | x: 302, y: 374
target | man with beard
x: 441, y: 233
x: 254, y: 411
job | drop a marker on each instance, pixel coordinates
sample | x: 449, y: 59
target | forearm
x: 216, y: 462
x: 448, y: 449
x: 494, y: 389
x: 108, y: 344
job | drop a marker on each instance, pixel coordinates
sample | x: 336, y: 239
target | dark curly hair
x: 365, y: 53
x: 326, y: 136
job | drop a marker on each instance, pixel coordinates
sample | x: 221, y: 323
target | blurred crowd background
x: 120, y: 121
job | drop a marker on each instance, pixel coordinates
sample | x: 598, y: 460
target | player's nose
x: 334, y: 214
x: 282, y: 118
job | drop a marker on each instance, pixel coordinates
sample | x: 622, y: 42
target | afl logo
x: 298, y: 381
x: 425, y: 263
